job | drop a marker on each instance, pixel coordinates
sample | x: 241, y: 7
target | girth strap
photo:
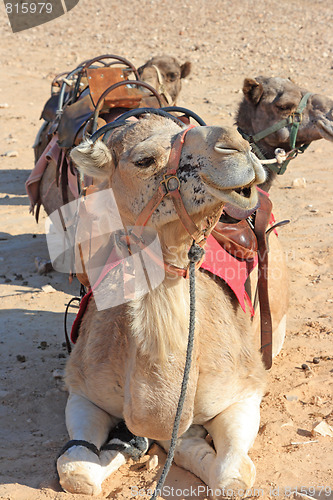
x: 261, y: 223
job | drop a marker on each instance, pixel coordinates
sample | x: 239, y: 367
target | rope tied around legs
x: 194, y: 255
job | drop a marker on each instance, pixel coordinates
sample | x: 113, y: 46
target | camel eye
x: 172, y: 76
x: 285, y: 107
x: 145, y: 162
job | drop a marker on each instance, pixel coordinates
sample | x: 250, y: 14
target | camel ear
x: 185, y: 69
x: 140, y: 70
x: 93, y: 159
x: 252, y: 90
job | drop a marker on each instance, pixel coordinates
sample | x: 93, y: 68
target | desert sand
x: 226, y: 42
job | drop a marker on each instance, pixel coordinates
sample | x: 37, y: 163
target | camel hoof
x: 233, y: 481
x: 79, y: 471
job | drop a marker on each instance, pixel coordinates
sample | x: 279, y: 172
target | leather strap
x: 79, y: 442
x: 261, y: 223
x: 151, y: 206
x: 161, y: 87
x: 184, y: 217
x: 170, y: 185
x: 169, y: 268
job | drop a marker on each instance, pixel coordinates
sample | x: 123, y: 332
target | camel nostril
x: 223, y: 149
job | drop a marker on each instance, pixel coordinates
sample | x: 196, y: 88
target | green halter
x: 294, y: 120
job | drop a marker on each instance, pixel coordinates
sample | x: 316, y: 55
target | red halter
x: 170, y: 185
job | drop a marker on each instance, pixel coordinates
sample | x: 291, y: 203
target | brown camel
x: 277, y: 113
x: 128, y: 361
x: 163, y: 73
x: 269, y: 101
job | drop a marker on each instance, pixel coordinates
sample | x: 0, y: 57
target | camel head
x: 164, y: 73
x: 216, y: 167
x: 268, y: 101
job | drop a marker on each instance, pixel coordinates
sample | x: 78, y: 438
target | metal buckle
x: 165, y: 181
x: 296, y: 117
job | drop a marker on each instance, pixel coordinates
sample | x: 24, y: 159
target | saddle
x: 237, y: 238
x: 93, y: 96
x: 246, y: 242
x: 95, y: 81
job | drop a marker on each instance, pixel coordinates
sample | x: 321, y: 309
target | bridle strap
x: 170, y: 185
x: 184, y: 217
x: 161, y: 88
x: 169, y: 268
x: 294, y: 119
x: 297, y: 119
x: 173, y: 165
x: 151, y: 206
x: 273, y: 128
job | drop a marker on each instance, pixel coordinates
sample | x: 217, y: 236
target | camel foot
x: 80, y: 471
x: 233, y: 479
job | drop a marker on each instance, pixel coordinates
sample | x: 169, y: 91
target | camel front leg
x: 81, y: 467
x: 234, y: 431
x: 193, y: 452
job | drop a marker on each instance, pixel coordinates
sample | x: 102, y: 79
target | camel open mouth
x: 245, y: 197
x: 244, y: 191
x: 242, y: 197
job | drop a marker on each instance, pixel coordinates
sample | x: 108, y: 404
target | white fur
x: 93, y: 159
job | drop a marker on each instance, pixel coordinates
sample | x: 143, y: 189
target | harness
x: 161, y: 87
x: 169, y: 186
x: 294, y: 119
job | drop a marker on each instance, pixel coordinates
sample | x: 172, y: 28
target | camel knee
x: 233, y: 432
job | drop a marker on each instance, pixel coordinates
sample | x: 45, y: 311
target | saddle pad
x: 233, y: 271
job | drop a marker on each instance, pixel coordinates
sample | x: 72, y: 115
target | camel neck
x: 159, y: 320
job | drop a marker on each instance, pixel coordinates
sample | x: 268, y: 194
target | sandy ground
x: 225, y: 41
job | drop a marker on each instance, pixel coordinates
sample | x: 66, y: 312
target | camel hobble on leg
x: 80, y: 469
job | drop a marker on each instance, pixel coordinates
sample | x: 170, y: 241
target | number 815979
x: 28, y: 8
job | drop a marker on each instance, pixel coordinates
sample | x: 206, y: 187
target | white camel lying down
x: 128, y: 361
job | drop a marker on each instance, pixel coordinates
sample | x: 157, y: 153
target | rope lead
x: 194, y: 255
